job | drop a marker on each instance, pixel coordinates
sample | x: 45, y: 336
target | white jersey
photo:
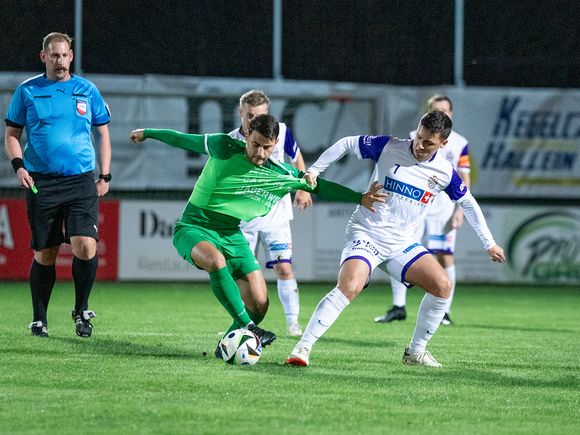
x: 411, y: 184
x: 283, y: 209
x: 456, y: 152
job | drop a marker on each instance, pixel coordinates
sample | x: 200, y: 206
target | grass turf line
x: 509, y: 366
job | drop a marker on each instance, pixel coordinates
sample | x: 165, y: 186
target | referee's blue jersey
x: 58, y: 117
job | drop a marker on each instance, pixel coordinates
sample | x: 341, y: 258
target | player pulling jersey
x: 412, y: 186
x: 413, y: 173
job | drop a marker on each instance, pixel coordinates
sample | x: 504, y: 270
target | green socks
x: 225, y: 289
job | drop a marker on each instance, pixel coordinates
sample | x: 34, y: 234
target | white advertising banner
x: 523, y: 143
x: 146, y: 249
x: 542, y: 245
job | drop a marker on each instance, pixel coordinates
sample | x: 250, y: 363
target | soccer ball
x: 241, y: 347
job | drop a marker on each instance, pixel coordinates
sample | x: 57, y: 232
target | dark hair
x: 436, y: 99
x: 266, y: 125
x: 56, y: 37
x: 437, y: 122
x: 254, y: 98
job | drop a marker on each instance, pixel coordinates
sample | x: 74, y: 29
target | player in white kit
x: 439, y: 231
x: 273, y: 230
x: 412, y: 172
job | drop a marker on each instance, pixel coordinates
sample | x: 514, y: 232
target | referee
x: 58, y: 110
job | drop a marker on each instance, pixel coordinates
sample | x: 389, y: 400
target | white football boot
x: 419, y: 359
x: 294, y: 329
x: 299, y: 356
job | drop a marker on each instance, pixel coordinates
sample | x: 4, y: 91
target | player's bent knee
x: 210, y: 262
x: 283, y: 271
x: 285, y: 276
x: 263, y: 308
x: 350, y: 290
x: 444, y: 287
x: 213, y: 265
x: 205, y: 256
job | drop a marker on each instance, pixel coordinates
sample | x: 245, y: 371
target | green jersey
x: 232, y: 186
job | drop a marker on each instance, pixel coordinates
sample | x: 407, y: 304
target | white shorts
x: 392, y: 257
x: 438, y: 236
x: 276, y: 241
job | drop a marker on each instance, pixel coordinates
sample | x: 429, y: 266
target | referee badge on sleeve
x: 81, y: 107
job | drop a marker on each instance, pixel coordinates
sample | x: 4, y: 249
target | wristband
x: 17, y: 163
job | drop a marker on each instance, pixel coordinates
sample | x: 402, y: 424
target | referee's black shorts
x: 64, y: 207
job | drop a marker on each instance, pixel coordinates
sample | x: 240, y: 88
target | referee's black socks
x: 42, y: 279
x: 84, y: 272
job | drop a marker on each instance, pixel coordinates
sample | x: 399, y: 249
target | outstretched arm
x: 337, y: 192
x: 184, y: 141
x: 332, y: 154
x: 476, y: 219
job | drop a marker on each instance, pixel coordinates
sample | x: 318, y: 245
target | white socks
x: 429, y: 317
x: 451, y: 272
x: 288, y: 294
x: 399, y: 293
x: 329, y: 308
x: 327, y: 311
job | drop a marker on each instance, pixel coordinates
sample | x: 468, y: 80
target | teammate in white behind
x: 273, y: 230
x: 413, y: 173
x: 241, y: 347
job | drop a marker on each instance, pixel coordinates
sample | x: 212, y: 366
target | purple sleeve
x: 371, y: 147
x: 290, y: 146
x: 456, y: 188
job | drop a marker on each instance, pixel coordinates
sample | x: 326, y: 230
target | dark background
x: 507, y: 43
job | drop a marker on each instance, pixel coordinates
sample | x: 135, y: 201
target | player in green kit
x: 239, y: 182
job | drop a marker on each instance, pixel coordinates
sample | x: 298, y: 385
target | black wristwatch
x: 106, y: 177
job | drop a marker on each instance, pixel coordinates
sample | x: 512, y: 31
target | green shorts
x: 231, y: 243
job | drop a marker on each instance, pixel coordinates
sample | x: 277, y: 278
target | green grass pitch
x: 510, y: 365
